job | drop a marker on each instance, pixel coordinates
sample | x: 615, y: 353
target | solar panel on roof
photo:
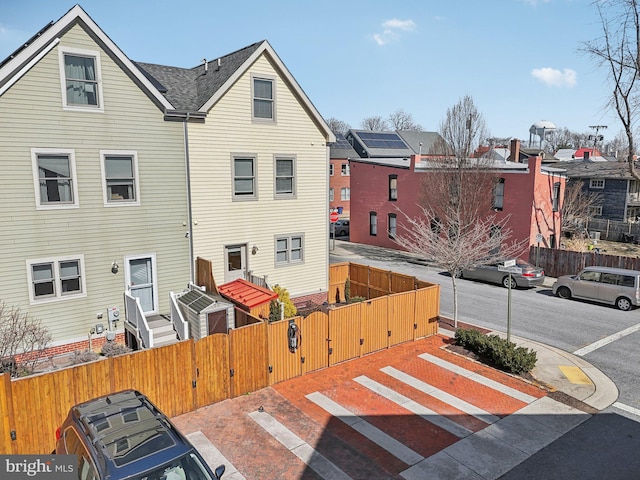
x: 382, y: 140
x: 341, y: 142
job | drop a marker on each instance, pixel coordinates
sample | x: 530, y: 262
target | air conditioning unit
x: 594, y: 236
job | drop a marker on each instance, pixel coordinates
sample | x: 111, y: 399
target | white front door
x: 140, y: 272
x: 235, y: 262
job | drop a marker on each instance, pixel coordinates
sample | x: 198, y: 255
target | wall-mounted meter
x: 114, y: 314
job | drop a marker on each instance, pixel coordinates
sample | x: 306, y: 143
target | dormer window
x: 81, y: 80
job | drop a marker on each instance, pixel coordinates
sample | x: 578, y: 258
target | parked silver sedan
x: 531, y: 275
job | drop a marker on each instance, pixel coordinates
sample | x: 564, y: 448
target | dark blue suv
x: 125, y: 436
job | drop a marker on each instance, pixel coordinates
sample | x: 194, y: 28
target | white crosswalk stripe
x: 414, y: 407
x: 305, y: 452
x: 213, y: 456
x: 441, y: 395
x: 377, y: 436
x: 512, y: 392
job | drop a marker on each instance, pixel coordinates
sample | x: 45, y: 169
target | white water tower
x: 541, y: 129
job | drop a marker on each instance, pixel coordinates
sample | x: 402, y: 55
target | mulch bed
x: 557, y: 395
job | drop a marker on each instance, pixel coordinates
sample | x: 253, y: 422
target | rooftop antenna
x: 596, y: 138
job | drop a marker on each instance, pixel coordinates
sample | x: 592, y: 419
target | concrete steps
x: 163, y: 332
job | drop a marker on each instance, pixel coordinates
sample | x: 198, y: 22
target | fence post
x: 608, y: 229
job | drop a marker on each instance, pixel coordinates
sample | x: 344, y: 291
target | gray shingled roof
x: 188, y: 89
x: 413, y: 138
x: 587, y: 169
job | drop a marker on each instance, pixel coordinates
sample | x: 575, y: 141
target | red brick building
x: 532, y: 196
x: 339, y: 175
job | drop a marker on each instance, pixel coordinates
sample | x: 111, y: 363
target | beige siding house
x: 258, y: 159
x: 117, y: 175
x: 94, y: 197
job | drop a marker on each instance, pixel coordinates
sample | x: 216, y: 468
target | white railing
x: 135, y: 316
x: 257, y: 280
x: 179, y: 324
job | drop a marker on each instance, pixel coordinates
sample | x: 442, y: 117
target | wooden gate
x: 248, y: 358
x: 401, y: 317
x: 374, y: 325
x: 212, y: 369
x: 314, y: 351
x: 427, y: 311
x: 344, y: 333
x: 285, y: 363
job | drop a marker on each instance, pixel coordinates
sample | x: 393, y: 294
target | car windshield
x: 187, y: 467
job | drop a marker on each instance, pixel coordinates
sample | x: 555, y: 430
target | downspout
x: 189, y: 210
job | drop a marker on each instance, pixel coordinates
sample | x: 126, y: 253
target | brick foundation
x: 96, y: 346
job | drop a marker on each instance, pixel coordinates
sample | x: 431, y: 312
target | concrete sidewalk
x: 555, y: 368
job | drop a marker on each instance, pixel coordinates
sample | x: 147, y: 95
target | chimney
x: 514, y: 156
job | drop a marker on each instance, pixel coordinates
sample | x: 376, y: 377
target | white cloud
x: 392, y: 29
x: 535, y: 3
x: 556, y: 78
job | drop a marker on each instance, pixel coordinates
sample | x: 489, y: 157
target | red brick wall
x: 337, y: 181
x: 527, y: 202
x: 96, y: 346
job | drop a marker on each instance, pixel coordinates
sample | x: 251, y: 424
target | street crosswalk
x: 448, y: 430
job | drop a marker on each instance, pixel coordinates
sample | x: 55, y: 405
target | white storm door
x: 235, y: 262
x: 141, y: 281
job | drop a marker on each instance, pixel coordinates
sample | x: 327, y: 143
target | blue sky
x: 518, y: 59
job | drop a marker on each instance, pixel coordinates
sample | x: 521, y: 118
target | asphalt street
x: 603, y: 447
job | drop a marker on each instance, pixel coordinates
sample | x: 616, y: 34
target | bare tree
x: 457, y: 227
x: 23, y: 340
x: 575, y: 206
x: 565, y: 138
x: 618, y: 50
x: 618, y: 147
x: 338, y: 126
x: 375, y: 124
x: 401, y: 120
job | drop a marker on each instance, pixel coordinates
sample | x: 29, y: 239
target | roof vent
x: 206, y: 65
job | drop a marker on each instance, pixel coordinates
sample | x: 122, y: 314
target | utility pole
x: 596, y: 138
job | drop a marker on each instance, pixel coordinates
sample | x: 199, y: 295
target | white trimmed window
x: 285, y: 178
x: 81, y: 79
x: 244, y: 178
x: 345, y: 193
x: 54, y: 178
x: 289, y: 249
x: 331, y: 169
x: 331, y: 194
x: 393, y: 225
x: 56, y: 278
x: 596, y: 183
x: 595, y: 211
x: 263, y: 93
x: 344, y: 170
x: 119, y: 177
x: 373, y: 224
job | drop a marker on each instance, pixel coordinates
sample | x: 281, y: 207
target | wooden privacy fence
x: 557, y: 262
x: 191, y: 374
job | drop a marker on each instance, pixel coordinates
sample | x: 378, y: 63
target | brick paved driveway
x: 381, y: 416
